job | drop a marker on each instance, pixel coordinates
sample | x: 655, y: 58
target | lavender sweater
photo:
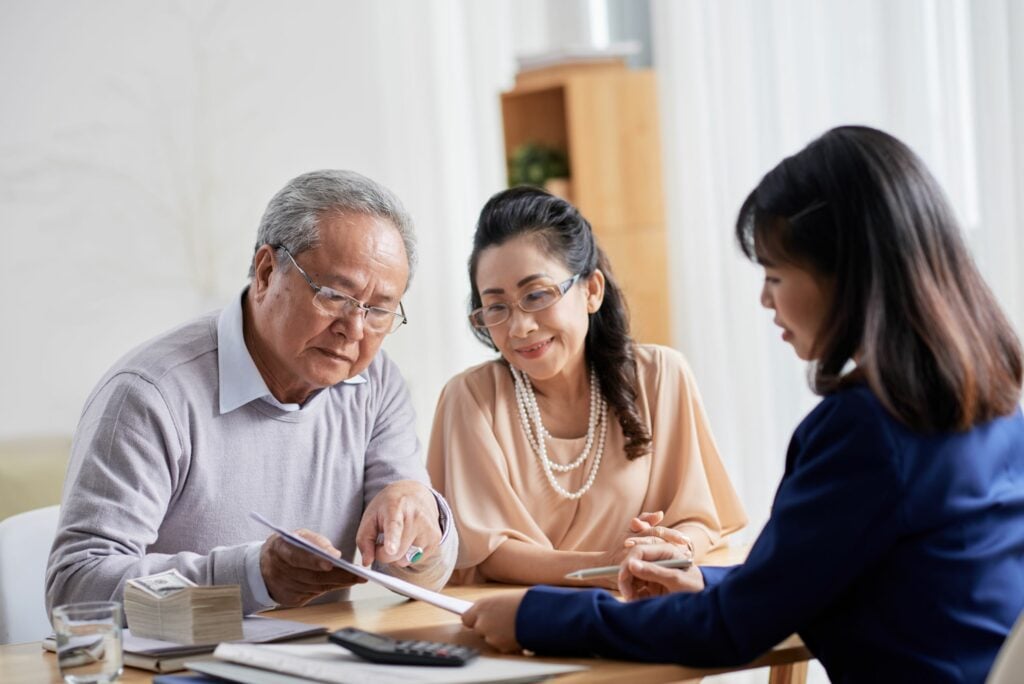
x: 160, y: 478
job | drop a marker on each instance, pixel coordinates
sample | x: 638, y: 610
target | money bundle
x: 170, y: 607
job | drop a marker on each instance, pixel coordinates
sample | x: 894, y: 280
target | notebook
x: 166, y: 656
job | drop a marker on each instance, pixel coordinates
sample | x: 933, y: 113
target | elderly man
x: 281, y: 403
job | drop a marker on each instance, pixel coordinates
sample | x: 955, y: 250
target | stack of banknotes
x: 170, y: 607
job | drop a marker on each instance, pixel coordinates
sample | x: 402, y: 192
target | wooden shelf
x: 605, y: 117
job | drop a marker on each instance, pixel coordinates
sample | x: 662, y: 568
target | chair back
x: 25, y: 541
x: 1009, y: 665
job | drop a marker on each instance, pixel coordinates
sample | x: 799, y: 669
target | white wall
x: 140, y: 142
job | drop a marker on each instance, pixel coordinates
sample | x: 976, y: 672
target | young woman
x: 895, y: 545
x: 577, y: 443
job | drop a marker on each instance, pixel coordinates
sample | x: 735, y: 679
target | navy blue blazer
x: 897, y: 556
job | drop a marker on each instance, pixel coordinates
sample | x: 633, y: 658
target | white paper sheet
x: 332, y: 663
x: 399, y: 586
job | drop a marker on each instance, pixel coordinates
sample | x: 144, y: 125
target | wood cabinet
x: 605, y: 117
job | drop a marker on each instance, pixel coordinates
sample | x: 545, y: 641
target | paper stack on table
x: 170, y: 607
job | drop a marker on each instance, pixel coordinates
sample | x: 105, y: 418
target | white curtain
x: 743, y: 84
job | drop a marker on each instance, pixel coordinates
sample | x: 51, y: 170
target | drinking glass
x: 88, y: 641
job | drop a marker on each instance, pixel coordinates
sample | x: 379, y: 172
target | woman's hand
x: 647, y: 530
x: 644, y: 530
x: 494, y: 618
x: 639, y: 578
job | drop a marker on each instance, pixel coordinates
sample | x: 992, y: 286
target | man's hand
x: 639, y: 578
x: 294, y: 576
x: 494, y: 618
x: 405, y: 512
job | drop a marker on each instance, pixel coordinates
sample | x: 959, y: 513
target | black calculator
x: 378, y: 648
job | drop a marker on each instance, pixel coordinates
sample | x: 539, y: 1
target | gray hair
x: 293, y: 215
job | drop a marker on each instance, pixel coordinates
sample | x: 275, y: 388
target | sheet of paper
x: 332, y: 663
x: 399, y: 586
x: 233, y: 672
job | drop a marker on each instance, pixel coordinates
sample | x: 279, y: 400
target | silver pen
x: 587, y: 573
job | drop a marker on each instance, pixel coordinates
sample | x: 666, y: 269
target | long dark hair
x: 565, y: 235
x: 857, y: 206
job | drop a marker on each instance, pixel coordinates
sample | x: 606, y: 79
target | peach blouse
x: 480, y: 459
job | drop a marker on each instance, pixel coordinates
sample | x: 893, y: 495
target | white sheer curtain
x: 439, y: 68
x: 745, y: 83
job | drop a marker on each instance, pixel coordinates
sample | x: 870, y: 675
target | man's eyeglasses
x: 532, y: 301
x: 340, y: 305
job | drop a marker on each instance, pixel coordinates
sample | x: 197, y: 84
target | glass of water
x: 88, y: 641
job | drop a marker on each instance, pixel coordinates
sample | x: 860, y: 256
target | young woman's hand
x: 640, y: 578
x: 644, y: 530
x: 494, y: 618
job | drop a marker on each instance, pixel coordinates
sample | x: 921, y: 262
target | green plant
x: 533, y: 163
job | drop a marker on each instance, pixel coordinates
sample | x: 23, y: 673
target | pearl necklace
x: 597, y: 423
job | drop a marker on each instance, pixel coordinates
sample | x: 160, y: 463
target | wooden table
x: 402, y: 618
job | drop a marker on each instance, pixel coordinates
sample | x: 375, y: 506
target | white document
x: 332, y: 663
x: 233, y: 672
x: 399, y: 586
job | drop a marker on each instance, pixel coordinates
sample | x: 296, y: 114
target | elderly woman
x: 577, y: 443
